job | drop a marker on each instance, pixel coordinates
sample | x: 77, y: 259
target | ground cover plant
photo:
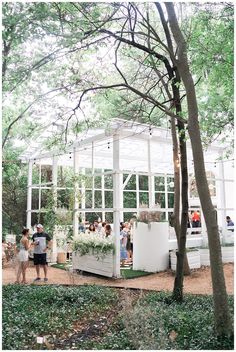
x: 31, y: 311
x: 92, y: 317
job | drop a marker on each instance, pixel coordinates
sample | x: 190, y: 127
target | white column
x: 29, y: 194
x: 76, y: 190
x: 54, y: 195
x: 54, y: 179
x: 150, y: 178
x: 137, y: 194
x: 83, y: 195
x: 93, y: 174
x: 103, y: 196
x: 40, y: 181
x: 166, y: 196
x: 116, y: 202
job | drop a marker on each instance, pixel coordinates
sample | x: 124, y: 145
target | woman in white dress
x: 23, y: 256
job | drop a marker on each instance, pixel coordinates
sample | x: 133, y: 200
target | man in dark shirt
x: 41, y: 242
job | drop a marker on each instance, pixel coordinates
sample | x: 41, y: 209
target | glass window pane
x: 159, y: 183
x: 160, y: 199
x: 97, y: 199
x: 35, y: 199
x: 98, y: 182
x: 65, y: 198
x: 128, y: 216
x: 144, y: 199
x: 131, y: 185
x: 129, y: 199
x: 170, y: 200
x: 35, y: 174
x: 108, y: 181
x: 170, y: 184
x: 143, y: 183
x: 109, y: 217
x: 88, y: 182
x: 108, y: 199
x: 91, y: 217
x: 88, y: 199
x: 65, y: 176
x: 46, y: 173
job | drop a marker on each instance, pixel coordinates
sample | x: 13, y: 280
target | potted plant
x: 93, y: 254
x: 193, y: 255
x: 61, y: 250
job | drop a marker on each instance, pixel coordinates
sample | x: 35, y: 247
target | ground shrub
x: 31, y: 311
x: 135, y: 321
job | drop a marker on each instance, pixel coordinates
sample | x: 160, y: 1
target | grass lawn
x: 93, y: 317
x: 131, y: 274
x: 127, y: 273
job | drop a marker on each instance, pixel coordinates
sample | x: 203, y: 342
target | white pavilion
x: 130, y: 166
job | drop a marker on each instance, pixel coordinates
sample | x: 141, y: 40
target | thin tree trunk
x: 182, y: 266
x: 221, y: 308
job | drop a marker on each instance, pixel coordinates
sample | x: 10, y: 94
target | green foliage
x: 164, y: 325
x: 159, y: 323
x: 14, y: 186
x: 211, y: 54
x: 31, y: 311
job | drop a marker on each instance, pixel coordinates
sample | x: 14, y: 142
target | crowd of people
x: 99, y: 228
x: 104, y: 229
x: 41, y: 241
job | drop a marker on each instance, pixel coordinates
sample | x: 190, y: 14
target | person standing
x: 23, y: 256
x: 229, y: 221
x: 41, y: 242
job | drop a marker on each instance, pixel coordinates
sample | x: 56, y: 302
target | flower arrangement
x: 92, y: 244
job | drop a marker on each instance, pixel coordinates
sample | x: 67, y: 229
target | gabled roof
x: 135, y: 139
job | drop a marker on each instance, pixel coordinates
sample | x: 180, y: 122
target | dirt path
x: 198, y: 283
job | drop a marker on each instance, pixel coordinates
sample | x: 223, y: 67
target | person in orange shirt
x: 196, y: 221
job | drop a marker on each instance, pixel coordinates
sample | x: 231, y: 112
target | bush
x: 31, y: 311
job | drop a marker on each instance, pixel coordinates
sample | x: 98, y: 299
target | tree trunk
x: 179, y: 147
x: 221, y: 308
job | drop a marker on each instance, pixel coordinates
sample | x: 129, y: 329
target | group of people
x: 40, y: 242
x: 104, y: 230
x: 100, y: 228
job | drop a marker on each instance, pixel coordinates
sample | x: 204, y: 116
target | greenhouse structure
x: 118, y: 171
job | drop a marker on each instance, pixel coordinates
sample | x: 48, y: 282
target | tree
x: 153, y: 68
x: 222, y: 316
x: 14, y: 184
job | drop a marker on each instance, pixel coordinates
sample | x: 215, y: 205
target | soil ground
x: 199, y: 282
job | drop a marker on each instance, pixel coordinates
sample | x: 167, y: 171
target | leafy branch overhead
x: 81, y: 48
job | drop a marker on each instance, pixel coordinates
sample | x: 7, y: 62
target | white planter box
x: 103, y: 266
x: 193, y: 259
x: 204, y: 256
x: 151, y: 247
x: 227, y: 254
